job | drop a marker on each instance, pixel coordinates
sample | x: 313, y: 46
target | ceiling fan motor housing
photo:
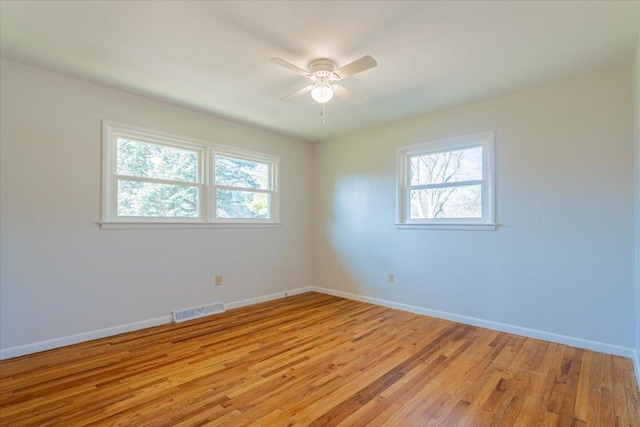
x: 323, y: 68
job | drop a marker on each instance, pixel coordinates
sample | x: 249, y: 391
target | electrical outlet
x: 392, y: 277
x: 218, y: 280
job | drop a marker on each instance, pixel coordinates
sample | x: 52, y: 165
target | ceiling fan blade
x: 297, y: 93
x: 356, y: 66
x: 346, y: 94
x: 290, y: 66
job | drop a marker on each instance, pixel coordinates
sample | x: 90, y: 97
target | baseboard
x: 298, y: 291
x: 21, y: 350
x: 636, y: 366
x: 36, y: 347
x: 266, y: 298
x: 532, y: 333
x: 502, y: 327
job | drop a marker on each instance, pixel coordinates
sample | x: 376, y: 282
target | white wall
x: 562, y: 261
x: 61, y: 275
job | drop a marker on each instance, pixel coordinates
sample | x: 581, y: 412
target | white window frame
x: 207, y: 151
x: 272, y: 191
x: 404, y: 155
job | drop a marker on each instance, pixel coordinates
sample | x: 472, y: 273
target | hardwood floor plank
x: 318, y: 360
x: 571, y: 376
x: 582, y: 398
x: 607, y: 416
x: 621, y: 417
x: 595, y: 390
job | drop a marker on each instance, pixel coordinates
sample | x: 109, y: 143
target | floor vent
x: 196, y: 312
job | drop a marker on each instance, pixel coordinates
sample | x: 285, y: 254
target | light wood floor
x: 318, y: 360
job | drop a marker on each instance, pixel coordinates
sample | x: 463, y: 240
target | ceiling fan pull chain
x: 323, y: 113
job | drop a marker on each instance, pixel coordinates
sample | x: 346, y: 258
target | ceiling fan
x: 324, y: 73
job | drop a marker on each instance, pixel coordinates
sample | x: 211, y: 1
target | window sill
x: 183, y: 225
x: 450, y: 226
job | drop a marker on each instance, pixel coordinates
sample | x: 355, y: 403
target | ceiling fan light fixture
x: 322, y: 92
x: 323, y: 72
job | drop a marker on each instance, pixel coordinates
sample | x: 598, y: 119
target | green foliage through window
x: 158, y: 162
x: 240, y: 176
x: 147, y: 160
x: 241, y: 173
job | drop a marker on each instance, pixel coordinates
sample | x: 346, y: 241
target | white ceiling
x: 214, y: 56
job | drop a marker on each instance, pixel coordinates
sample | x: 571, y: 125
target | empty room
x: 319, y: 213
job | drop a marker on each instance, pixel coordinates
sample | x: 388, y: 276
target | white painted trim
x: 636, y: 366
x: 502, y: 327
x: 8, y: 353
x: 460, y: 227
x: 139, y: 225
x: 298, y: 291
x: 266, y: 298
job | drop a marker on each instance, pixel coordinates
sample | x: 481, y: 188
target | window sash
x: 162, y: 141
x: 270, y: 190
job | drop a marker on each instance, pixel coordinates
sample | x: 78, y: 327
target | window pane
x: 448, y: 202
x: 449, y: 166
x: 135, y: 158
x: 147, y: 199
x: 242, y: 204
x: 242, y: 173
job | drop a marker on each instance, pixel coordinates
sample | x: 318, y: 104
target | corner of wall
x: 636, y: 145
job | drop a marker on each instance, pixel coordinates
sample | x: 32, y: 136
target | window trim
x: 486, y: 140
x: 206, y: 174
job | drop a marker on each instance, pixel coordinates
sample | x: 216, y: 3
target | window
x: 447, y: 184
x: 151, y: 178
x: 243, y: 188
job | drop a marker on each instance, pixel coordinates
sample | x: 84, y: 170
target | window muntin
x: 151, y: 177
x: 447, y: 182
